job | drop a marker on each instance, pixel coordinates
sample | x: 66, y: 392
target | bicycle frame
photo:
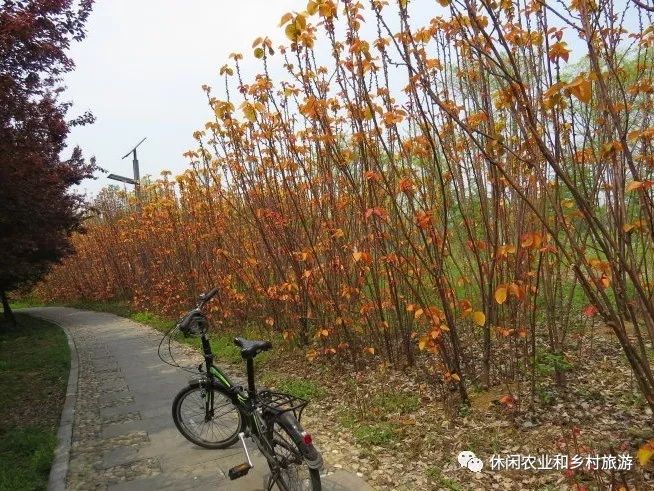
x: 246, y: 402
x: 262, y: 414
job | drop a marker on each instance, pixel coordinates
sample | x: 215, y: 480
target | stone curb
x: 59, y: 469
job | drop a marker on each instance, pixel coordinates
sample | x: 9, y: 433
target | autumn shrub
x: 442, y: 189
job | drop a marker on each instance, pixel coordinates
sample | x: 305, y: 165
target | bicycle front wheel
x: 205, y: 424
x: 289, y: 471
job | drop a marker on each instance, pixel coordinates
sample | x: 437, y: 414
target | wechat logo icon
x: 469, y: 460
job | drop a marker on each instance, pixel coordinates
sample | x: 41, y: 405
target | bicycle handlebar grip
x: 210, y: 294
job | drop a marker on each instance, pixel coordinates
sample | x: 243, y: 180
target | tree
x: 38, y: 211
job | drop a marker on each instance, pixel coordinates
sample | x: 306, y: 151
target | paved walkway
x: 123, y: 435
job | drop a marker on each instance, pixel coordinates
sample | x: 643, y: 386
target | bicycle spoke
x: 206, y: 424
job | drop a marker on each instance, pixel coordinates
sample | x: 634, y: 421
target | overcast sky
x: 142, y: 65
x: 141, y: 68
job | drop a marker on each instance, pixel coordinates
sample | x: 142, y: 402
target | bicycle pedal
x: 239, y: 470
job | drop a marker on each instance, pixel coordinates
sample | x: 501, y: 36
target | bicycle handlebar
x: 205, y: 297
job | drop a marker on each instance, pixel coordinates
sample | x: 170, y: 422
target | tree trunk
x: 8, y: 314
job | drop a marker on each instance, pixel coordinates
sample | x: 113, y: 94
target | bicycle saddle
x: 250, y: 349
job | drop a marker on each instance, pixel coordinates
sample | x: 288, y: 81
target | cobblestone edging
x: 59, y: 469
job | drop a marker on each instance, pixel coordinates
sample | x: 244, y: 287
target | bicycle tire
x: 281, y: 442
x: 189, y: 404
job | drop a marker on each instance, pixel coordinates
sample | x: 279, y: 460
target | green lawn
x: 34, y: 364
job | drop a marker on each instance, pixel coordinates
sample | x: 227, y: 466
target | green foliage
x: 464, y: 410
x: 34, y: 350
x: 299, y: 387
x: 380, y: 434
x: 547, y: 396
x: 25, y: 457
x: 396, y: 402
x: 224, y: 349
x: 548, y: 363
x: 435, y: 474
x: 116, y: 307
x: 152, y: 320
x: 25, y: 302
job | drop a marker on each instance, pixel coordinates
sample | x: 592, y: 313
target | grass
x: 435, y: 474
x: 368, y: 433
x: 372, y: 423
x: 396, y: 402
x: 379, y: 434
x: 121, y: 308
x: 300, y: 387
x: 34, y: 361
x: 25, y: 302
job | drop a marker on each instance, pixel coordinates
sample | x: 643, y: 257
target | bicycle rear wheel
x: 200, y: 424
x: 290, y: 471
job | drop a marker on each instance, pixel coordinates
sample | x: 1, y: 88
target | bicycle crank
x: 241, y: 470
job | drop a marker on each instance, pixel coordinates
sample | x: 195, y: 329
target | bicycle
x: 213, y: 412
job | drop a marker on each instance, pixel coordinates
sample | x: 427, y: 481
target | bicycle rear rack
x: 279, y: 403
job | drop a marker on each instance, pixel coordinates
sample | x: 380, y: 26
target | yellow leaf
x: 645, y: 453
x: 285, y: 19
x: 312, y: 7
x: 249, y: 112
x: 500, y: 295
x: 258, y: 53
x: 291, y: 32
x: 633, y: 185
x: 456, y: 377
x: 418, y: 313
x: 479, y: 318
x: 357, y: 256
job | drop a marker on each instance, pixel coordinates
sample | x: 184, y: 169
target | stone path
x: 123, y: 434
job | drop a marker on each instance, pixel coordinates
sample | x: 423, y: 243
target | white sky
x: 142, y: 65
x: 141, y: 68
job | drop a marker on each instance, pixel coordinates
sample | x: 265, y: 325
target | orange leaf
x: 581, y: 88
x: 559, y: 50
